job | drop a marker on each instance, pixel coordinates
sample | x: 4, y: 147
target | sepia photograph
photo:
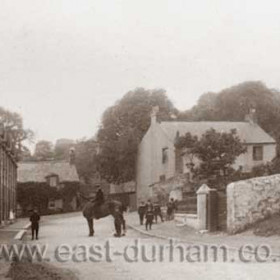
x: 139, y: 140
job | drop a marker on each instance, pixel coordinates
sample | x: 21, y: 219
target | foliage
x: 216, y: 151
x: 43, y: 150
x: 35, y: 195
x: 234, y: 103
x: 123, y: 126
x: 86, y: 159
x: 13, y: 124
x: 62, y: 148
x: 38, y: 194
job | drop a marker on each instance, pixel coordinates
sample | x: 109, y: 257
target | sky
x: 63, y: 62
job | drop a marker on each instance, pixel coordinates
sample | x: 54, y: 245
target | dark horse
x: 111, y: 207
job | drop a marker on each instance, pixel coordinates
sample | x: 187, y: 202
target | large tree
x: 123, y: 126
x: 234, y: 103
x: 12, y: 123
x: 62, y: 148
x: 43, y: 150
x: 86, y: 159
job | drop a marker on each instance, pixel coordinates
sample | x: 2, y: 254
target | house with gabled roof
x: 157, y: 158
x: 58, y: 176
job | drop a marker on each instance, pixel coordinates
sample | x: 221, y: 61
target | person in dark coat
x: 141, y: 212
x: 149, y: 217
x: 34, y: 219
x: 157, y: 212
x: 99, y: 198
x: 149, y: 204
x: 118, y: 220
x: 169, y: 211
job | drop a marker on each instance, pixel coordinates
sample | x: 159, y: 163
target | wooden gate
x: 222, y: 210
x: 188, y: 204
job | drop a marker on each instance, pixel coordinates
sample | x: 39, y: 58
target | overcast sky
x: 63, y: 62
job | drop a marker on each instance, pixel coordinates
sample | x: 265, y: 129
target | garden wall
x: 252, y: 200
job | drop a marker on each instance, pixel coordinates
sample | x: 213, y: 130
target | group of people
x: 151, y: 212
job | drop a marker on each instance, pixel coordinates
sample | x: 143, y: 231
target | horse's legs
x: 90, y: 226
x: 123, y: 224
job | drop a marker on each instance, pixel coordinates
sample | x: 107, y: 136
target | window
x: 52, y: 204
x: 164, y: 155
x: 258, y: 153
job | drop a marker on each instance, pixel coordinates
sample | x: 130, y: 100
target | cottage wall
x: 252, y: 200
x: 246, y: 160
x: 150, y: 167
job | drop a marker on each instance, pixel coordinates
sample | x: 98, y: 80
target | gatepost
x: 202, y: 197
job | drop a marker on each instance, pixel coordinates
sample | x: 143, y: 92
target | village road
x: 136, y: 256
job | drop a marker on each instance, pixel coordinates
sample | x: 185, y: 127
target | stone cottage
x: 58, y: 176
x: 157, y: 160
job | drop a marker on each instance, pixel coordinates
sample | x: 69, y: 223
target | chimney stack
x: 251, y: 117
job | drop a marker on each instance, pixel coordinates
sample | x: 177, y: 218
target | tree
x: 43, y: 150
x: 86, y: 159
x: 12, y: 123
x: 234, y: 103
x: 123, y: 126
x: 62, y: 148
x: 216, y: 151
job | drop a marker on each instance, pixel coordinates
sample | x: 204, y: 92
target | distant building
x: 58, y: 175
x: 158, y: 159
x: 8, y: 178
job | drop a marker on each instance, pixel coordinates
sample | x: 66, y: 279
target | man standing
x: 34, y: 219
x: 157, y: 212
x: 119, y: 221
x: 141, y: 212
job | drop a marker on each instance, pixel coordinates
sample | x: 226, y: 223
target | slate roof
x: 37, y: 171
x: 247, y: 132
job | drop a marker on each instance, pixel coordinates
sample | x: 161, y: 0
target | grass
x: 268, y: 227
x: 25, y: 270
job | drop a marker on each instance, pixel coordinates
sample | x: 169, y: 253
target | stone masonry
x: 252, y: 200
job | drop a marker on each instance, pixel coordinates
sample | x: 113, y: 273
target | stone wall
x: 252, y: 200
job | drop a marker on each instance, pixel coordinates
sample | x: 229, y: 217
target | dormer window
x: 52, y: 180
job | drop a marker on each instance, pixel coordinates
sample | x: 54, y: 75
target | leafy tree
x: 234, y: 103
x: 13, y: 124
x: 123, y: 126
x: 62, y: 148
x: 86, y: 159
x: 43, y: 150
x: 216, y: 151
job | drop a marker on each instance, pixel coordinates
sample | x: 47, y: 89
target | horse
x: 92, y: 211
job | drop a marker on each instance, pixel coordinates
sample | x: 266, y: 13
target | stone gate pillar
x: 202, y: 196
